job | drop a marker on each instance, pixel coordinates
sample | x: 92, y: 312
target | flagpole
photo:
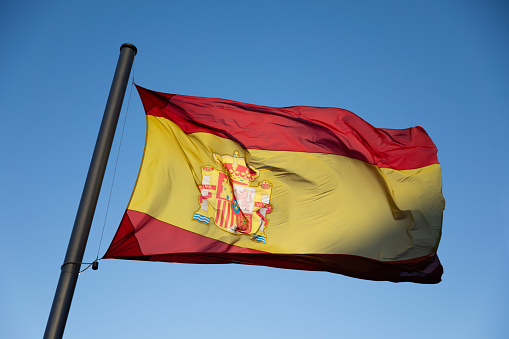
x: 81, y: 229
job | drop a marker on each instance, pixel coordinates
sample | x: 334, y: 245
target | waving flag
x: 298, y: 187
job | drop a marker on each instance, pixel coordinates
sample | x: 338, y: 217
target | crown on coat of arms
x: 265, y: 184
x: 238, y: 171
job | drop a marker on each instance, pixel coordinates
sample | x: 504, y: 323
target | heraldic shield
x: 228, y: 198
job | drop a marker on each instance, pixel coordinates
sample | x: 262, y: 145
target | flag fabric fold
x: 298, y: 187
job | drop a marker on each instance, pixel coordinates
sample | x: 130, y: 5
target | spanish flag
x: 304, y: 188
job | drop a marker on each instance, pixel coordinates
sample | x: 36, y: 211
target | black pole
x: 76, y: 248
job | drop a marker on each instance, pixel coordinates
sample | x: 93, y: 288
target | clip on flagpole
x: 81, y: 229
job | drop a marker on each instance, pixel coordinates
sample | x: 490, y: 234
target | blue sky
x: 439, y: 64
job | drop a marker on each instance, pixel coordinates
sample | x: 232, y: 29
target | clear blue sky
x: 439, y: 64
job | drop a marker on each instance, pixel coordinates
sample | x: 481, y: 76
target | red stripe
x: 220, y: 209
x: 154, y: 237
x: 425, y: 270
x: 218, y: 212
x: 226, y: 214
x: 141, y: 237
x: 229, y: 214
x: 298, y: 128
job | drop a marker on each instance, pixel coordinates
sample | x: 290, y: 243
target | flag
x: 299, y: 187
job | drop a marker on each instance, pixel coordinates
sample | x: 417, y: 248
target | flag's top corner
x: 151, y: 99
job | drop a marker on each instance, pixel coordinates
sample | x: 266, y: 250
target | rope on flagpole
x: 115, y: 169
x: 95, y: 263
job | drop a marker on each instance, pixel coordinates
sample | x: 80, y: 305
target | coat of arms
x: 228, y: 198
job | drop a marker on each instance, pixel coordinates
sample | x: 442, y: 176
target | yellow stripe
x: 323, y: 203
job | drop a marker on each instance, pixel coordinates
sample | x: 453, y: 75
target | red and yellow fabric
x: 296, y: 187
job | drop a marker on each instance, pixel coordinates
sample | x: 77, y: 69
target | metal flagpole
x: 76, y: 248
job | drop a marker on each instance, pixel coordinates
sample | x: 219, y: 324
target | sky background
x: 442, y: 65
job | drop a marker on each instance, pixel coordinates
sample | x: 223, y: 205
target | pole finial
x: 130, y: 46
